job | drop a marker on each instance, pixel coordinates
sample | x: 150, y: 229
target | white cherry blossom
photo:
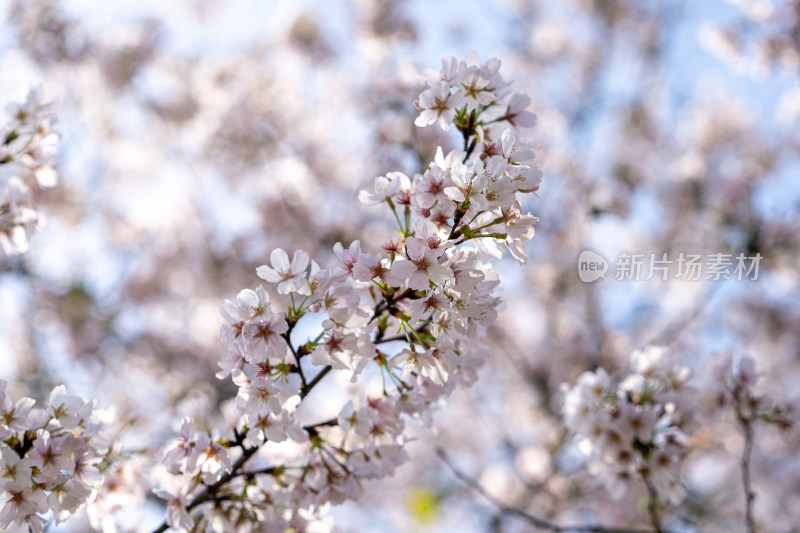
x: 288, y: 275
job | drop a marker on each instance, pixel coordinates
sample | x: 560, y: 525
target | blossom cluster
x: 636, y: 430
x: 640, y: 430
x: 461, y: 90
x: 732, y: 387
x: 413, y: 311
x: 51, y: 459
x: 483, y: 192
x: 27, y: 147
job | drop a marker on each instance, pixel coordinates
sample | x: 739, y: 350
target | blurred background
x: 197, y: 135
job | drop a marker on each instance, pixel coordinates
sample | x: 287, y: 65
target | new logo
x: 591, y: 266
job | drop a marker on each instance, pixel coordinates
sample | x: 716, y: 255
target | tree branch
x: 533, y: 520
x: 210, y: 491
x: 744, y: 464
x: 287, y: 337
x: 652, y: 502
x: 311, y: 384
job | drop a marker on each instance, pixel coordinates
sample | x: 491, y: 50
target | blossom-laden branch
x: 51, y: 459
x: 638, y: 429
x: 414, y: 315
x: 643, y: 425
x: 738, y: 394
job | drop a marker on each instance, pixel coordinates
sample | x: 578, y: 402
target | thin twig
x: 387, y: 303
x: 329, y: 422
x: 534, y: 520
x: 421, y: 329
x: 744, y: 464
x: 287, y: 337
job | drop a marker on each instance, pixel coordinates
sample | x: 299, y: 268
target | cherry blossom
x: 437, y: 105
x: 288, y: 275
x: 421, y: 268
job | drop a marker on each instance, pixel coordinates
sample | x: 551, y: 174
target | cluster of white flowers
x: 483, y: 192
x: 463, y: 90
x: 638, y: 429
x: 414, y: 311
x: 27, y: 147
x: 51, y: 459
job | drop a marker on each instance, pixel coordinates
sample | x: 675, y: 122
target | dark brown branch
x: 264, y: 471
x: 457, y: 216
x: 287, y: 337
x: 402, y: 337
x: 308, y: 388
x: 210, y: 492
x: 329, y: 422
x: 468, y: 132
x: 387, y: 303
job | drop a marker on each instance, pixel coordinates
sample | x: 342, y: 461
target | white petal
x: 279, y: 259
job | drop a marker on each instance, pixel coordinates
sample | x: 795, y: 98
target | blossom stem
x: 474, y: 217
x: 481, y: 236
x: 652, y: 502
x: 497, y: 220
x: 397, y: 218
